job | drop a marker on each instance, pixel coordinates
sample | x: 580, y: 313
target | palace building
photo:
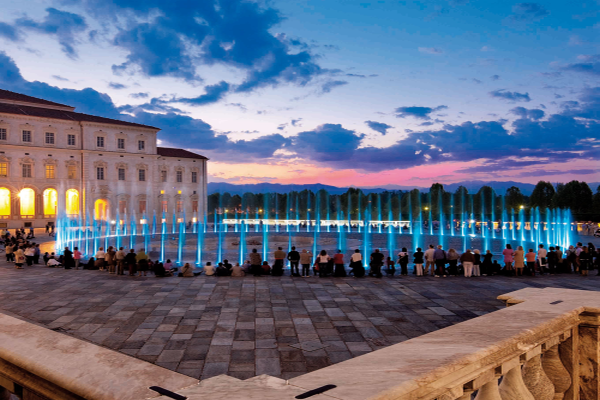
x: 55, y: 161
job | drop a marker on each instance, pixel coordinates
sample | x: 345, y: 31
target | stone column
x: 513, y: 387
x: 536, y: 380
x: 556, y: 372
x: 589, y: 355
x: 489, y: 391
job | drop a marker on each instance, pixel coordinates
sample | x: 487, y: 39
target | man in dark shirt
x: 294, y: 258
x: 255, y: 263
x: 376, y: 263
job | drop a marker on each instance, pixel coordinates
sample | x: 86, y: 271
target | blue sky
x: 353, y: 92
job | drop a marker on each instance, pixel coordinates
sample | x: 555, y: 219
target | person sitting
x: 356, y: 267
x: 227, y: 265
x: 169, y: 266
x: 222, y: 270
x: 209, y: 269
x: 390, y: 269
x: 159, y: 270
x: 187, y: 271
x: 266, y: 268
x: 237, y: 271
x: 338, y: 260
x: 53, y: 263
x: 246, y: 266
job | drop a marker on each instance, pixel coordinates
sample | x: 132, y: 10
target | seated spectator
x: 246, y: 266
x: 209, y: 269
x: 237, y: 271
x: 187, y: 271
x: 160, y: 271
x: 168, y: 265
x: 266, y: 268
x: 222, y: 270
x: 53, y: 263
x: 91, y: 264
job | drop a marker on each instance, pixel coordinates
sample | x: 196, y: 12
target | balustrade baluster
x: 556, y: 372
x: 535, y: 379
x: 489, y: 391
x: 513, y: 387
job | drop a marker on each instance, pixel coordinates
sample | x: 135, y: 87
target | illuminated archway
x: 27, y: 200
x: 72, y: 201
x: 101, y: 208
x: 4, y: 202
x: 50, y: 197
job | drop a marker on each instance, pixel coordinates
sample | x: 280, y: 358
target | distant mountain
x: 472, y: 187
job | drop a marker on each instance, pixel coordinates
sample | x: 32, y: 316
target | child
x: 390, y: 267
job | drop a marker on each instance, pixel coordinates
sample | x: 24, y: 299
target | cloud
x: 378, y: 126
x: 330, y: 85
x: 417, y: 112
x: 60, y: 78
x: 486, y: 48
x: 64, y: 25
x: 525, y: 113
x: 140, y: 95
x: 430, y: 50
x: 327, y: 142
x: 495, y: 77
x: 117, y: 86
x: 213, y: 94
x: 590, y: 64
x: 9, y: 32
x: 528, y: 12
x: 545, y: 172
x: 296, y: 122
x: 511, y: 96
x: 477, y: 81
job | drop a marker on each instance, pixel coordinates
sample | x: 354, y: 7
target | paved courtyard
x: 243, y: 327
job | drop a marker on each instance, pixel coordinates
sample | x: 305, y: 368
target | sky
x: 362, y: 93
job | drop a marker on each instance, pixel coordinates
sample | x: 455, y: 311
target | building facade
x: 56, y: 162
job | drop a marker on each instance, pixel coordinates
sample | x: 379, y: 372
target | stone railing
x: 545, y: 346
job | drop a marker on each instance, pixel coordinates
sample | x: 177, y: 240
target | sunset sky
x: 363, y: 93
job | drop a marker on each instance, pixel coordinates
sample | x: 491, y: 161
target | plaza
x: 243, y: 327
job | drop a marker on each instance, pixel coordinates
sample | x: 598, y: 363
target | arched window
x: 72, y: 200
x: 4, y: 202
x: 27, y: 200
x: 50, y: 197
x: 101, y: 208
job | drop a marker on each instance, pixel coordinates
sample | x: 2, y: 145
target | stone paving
x: 243, y: 327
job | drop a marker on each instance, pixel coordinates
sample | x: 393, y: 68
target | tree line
x: 398, y: 204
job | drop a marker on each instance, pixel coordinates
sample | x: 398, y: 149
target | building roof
x: 179, y: 153
x: 13, y: 97
x: 64, y: 115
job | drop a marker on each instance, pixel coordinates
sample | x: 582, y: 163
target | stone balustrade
x: 544, y: 346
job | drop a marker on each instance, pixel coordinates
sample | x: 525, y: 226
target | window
x: 27, y: 200
x: 100, y: 141
x: 164, y: 206
x: 3, y: 170
x: 2, y: 133
x: 50, y: 172
x: 142, y: 175
x: 72, y: 197
x: 100, y: 173
x: 26, y: 170
x: 179, y: 176
x: 71, y: 172
x: 121, y: 174
x: 122, y: 206
x: 142, y: 206
x: 71, y: 140
x: 121, y: 144
x: 49, y: 137
x: 141, y: 145
x: 194, y: 177
x: 194, y: 205
x: 27, y: 136
x: 163, y: 176
x: 50, y: 197
x: 179, y: 206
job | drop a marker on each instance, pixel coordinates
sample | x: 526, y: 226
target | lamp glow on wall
x: 27, y: 197
x: 4, y: 202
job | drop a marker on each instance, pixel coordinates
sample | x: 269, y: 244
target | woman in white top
x: 100, y: 259
x: 322, y: 259
x: 209, y: 269
x: 356, y: 266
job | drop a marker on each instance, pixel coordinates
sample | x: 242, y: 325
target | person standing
x: 429, y: 262
x: 255, y: 263
x: 403, y: 261
x: 29, y: 254
x: 467, y: 259
x: 294, y: 259
x: 439, y: 257
x: 542, y: 259
x: 338, y: 261
x: 476, y: 263
x: 130, y: 260
x: 278, y: 265
x: 584, y: 261
x: 36, y: 253
x: 19, y: 258
x: 418, y: 260
x: 68, y: 260
x: 100, y: 259
x: 530, y: 262
x: 305, y: 259
x: 552, y: 261
x: 559, y: 257
x: 376, y: 263
x: 508, y: 259
x: 10, y: 253
x: 452, y: 257
x: 356, y: 264
x: 142, y: 260
x: 519, y: 258
x: 109, y: 258
x: 120, y: 260
x: 322, y: 260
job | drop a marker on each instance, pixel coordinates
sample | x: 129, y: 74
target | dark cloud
x: 477, y: 81
x: 495, y: 77
x: 140, y: 95
x: 528, y: 12
x: 64, y: 25
x: 9, y: 32
x: 296, y: 122
x: 213, y: 94
x: 511, y: 96
x: 417, y: 112
x: 328, y: 142
x: 330, y: 85
x: 60, y: 78
x: 117, y: 86
x: 588, y: 65
x: 545, y: 172
x: 526, y: 113
x: 378, y: 126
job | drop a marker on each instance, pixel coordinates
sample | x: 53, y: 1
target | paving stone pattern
x: 243, y: 327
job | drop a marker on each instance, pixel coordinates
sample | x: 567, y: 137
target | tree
x: 574, y: 195
x: 542, y: 195
x: 514, y: 198
x: 596, y: 204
